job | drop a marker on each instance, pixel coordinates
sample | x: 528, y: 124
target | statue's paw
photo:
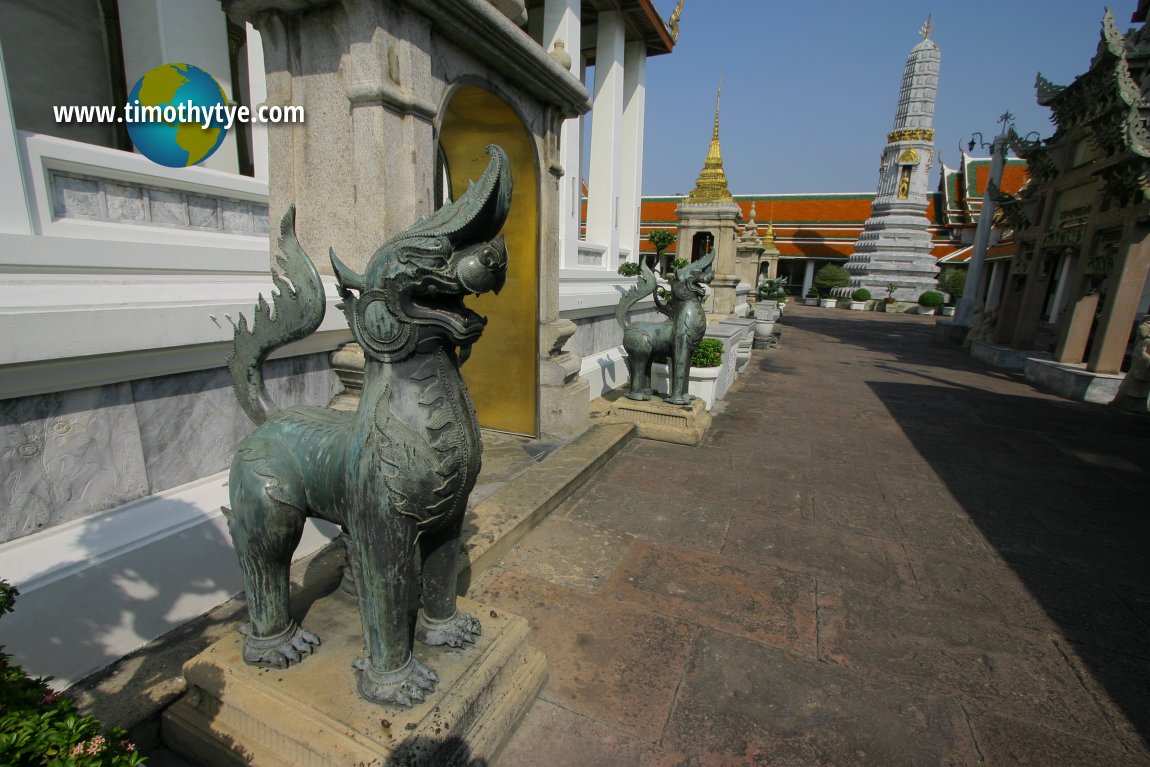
x: 453, y: 632
x: 411, y: 683
x: 681, y: 400
x: 640, y: 396
x: 279, y: 651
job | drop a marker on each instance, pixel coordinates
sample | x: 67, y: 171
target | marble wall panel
x: 236, y: 216
x: 594, y: 335
x: 125, y: 203
x: 191, y: 423
x: 76, y: 197
x: 167, y: 207
x: 203, y: 211
x: 67, y: 455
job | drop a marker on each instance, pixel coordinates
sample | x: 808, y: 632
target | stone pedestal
x: 657, y: 420
x: 311, y: 714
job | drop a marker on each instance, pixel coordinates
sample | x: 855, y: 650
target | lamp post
x: 964, y: 312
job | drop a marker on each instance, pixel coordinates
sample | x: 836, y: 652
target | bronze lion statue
x: 675, y: 338
x: 395, y: 474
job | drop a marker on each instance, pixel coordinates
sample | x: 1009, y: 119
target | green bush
x: 812, y: 292
x: 953, y: 282
x: 628, y: 269
x: 931, y: 299
x: 862, y: 294
x: 831, y: 276
x: 661, y: 239
x: 41, y: 727
x: 708, y: 354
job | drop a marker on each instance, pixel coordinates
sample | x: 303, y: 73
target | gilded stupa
x: 711, y: 186
x: 708, y: 219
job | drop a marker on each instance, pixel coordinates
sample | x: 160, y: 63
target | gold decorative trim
x: 910, y: 134
x: 909, y: 157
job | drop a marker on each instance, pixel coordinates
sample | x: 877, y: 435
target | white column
x: 194, y: 32
x: 631, y: 172
x: 561, y: 23
x: 606, y: 137
x: 258, y: 93
x: 14, y: 217
x: 808, y: 277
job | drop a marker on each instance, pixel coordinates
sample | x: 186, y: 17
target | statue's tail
x: 643, y: 288
x: 299, y: 308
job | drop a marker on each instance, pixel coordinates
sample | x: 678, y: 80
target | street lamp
x: 964, y: 312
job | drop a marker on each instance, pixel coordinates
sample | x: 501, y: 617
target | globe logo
x: 175, y: 115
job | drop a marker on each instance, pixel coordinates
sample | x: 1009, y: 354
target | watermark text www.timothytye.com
x: 208, y: 116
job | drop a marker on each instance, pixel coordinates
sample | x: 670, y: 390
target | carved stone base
x: 657, y: 420
x: 235, y: 714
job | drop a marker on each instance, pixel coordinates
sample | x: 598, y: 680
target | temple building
x: 122, y: 278
x: 1078, y: 279
x: 895, y: 245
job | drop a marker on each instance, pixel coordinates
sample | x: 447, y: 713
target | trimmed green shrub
x: 831, y: 276
x: 41, y: 727
x: 931, y: 299
x: 862, y: 294
x: 628, y: 269
x: 661, y: 239
x: 708, y: 354
x: 953, y: 282
x: 812, y: 292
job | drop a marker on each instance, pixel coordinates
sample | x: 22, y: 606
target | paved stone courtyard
x: 883, y: 554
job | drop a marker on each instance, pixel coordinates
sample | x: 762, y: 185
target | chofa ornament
x: 394, y: 475
x: 675, y: 337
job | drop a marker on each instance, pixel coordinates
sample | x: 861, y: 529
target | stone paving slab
x: 978, y: 550
x: 744, y: 703
x: 607, y: 660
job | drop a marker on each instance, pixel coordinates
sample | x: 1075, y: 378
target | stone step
x: 501, y: 520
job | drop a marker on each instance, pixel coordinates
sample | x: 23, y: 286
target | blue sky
x: 810, y: 88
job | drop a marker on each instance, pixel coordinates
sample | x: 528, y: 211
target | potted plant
x: 929, y: 301
x: 953, y: 284
x: 829, y: 277
x: 859, y: 299
x: 706, y: 365
x: 812, y: 297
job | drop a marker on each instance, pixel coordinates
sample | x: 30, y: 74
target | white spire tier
x: 895, y: 246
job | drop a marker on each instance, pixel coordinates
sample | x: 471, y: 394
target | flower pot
x: 702, y: 382
x: 858, y: 306
x: 828, y: 303
x: 811, y: 301
x: 928, y: 310
x: 948, y: 311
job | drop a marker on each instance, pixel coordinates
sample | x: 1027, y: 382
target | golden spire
x: 769, y: 237
x: 711, y: 185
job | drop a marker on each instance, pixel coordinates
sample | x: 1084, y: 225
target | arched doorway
x: 503, y: 371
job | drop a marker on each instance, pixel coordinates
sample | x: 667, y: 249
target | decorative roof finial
x: 712, y: 183
x: 927, y: 28
x: 673, y: 22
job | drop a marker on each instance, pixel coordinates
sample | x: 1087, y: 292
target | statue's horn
x: 479, y: 213
x: 348, y: 277
x: 697, y: 267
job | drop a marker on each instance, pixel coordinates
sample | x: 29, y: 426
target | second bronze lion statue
x: 675, y: 338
